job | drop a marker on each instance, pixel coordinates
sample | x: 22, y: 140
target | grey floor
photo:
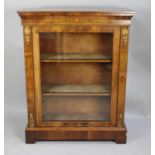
x: 15, y: 120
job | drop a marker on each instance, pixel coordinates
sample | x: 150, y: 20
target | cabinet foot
x: 30, y: 137
x: 121, y: 138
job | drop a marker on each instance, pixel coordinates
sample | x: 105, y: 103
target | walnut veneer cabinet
x: 76, y: 64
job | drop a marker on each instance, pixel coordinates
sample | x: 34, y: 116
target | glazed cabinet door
x: 76, y: 75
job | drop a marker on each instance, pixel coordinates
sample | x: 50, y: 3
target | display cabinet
x: 76, y: 64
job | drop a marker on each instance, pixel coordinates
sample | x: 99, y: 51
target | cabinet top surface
x: 78, y: 11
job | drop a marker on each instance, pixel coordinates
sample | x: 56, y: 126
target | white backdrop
x: 138, y: 82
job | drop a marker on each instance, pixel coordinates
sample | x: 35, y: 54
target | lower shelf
x: 76, y: 134
x: 78, y: 88
x: 77, y: 117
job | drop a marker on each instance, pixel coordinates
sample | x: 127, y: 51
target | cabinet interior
x: 76, y: 74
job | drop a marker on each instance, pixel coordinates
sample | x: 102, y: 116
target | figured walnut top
x: 76, y: 16
x: 78, y: 11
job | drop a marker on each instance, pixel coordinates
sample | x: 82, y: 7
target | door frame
x: 115, y: 71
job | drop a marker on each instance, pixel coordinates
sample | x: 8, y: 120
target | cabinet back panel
x: 76, y: 108
x: 76, y: 73
x: 76, y: 42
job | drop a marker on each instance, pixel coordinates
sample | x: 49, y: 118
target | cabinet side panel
x: 122, y: 76
x: 29, y: 75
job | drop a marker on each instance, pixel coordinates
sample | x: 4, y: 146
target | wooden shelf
x: 75, y: 57
x: 80, y: 90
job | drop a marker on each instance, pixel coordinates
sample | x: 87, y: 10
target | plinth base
x: 76, y: 134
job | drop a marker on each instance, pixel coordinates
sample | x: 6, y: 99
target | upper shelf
x: 75, y: 57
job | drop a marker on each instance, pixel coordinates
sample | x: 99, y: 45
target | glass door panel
x: 76, y: 76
